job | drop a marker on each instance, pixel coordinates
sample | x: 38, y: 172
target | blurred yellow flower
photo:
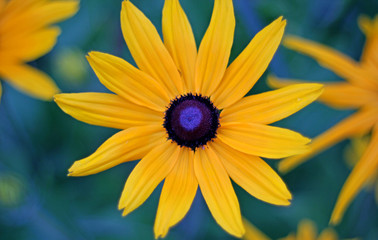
x: 306, y: 231
x: 360, y: 92
x: 25, y: 35
x: 171, y: 107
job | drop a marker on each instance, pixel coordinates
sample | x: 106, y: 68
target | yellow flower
x: 360, y: 92
x: 170, y: 110
x: 306, y: 231
x: 25, y: 35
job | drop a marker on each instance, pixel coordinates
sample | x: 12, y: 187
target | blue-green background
x: 38, y: 142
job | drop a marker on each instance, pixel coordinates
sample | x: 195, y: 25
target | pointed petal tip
x: 335, y: 219
x: 240, y: 233
x: 127, y: 4
x: 281, y: 21
x: 94, y: 54
x: 125, y: 212
x: 160, y: 234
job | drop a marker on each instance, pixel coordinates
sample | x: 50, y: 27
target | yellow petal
x: 328, y: 234
x: 24, y: 17
x: 262, y: 140
x: 358, y: 123
x: 344, y: 95
x: 272, y: 106
x: 127, y: 81
x: 335, y: 94
x: 179, y: 190
x: 252, y: 233
x: 179, y: 40
x: 253, y: 174
x: 275, y: 82
x: 218, y: 192
x: 369, y: 57
x: 107, y: 110
x: 339, y: 63
x: 31, y: 46
x: 127, y: 145
x: 366, y: 167
x: 248, y: 67
x: 2, y: 4
x: 148, y: 50
x: 306, y: 230
x: 30, y: 80
x: 215, y: 48
x: 147, y: 174
x: 376, y: 192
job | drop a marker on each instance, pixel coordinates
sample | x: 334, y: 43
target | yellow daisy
x: 183, y: 113
x: 306, y: 231
x: 25, y: 35
x: 360, y: 92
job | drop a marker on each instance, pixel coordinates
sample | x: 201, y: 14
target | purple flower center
x: 191, y: 120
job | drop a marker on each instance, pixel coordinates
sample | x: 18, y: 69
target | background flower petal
x: 29, y: 80
x: 339, y: 63
x: 358, y: 123
x: 306, y: 230
x: 336, y: 94
x: 365, y: 168
x: 24, y: 17
x: 328, y: 234
x: 253, y: 233
x: 31, y: 46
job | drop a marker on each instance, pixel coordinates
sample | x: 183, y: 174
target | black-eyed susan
x: 306, y: 231
x: 183, y: 113
x: 25, y: 35
x: 360, y: 92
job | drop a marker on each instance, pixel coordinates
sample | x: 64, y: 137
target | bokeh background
x: 38, y: 142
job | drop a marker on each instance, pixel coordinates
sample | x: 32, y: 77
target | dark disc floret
x: 191, y: 120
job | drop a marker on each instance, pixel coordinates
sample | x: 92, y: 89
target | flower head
x: 306, y: 231
x: 183, y: 113
x: 360, y: 92
x: 25, y: 35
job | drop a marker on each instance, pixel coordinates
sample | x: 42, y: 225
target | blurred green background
x: 38, y: 142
